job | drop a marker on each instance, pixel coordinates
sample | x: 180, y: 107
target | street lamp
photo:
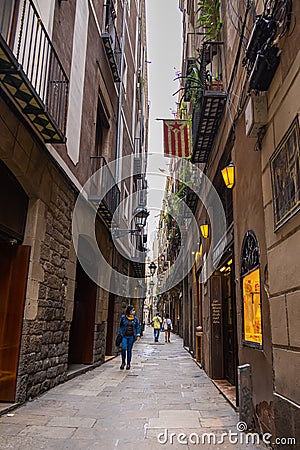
x: 205, y: 230
x: 228, y: 175
x: 152, y: 267
x: 140, y: 217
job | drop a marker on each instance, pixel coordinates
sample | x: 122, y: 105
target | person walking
x: 157, y: 321
x: 168, y: 327
x: 129, y: 330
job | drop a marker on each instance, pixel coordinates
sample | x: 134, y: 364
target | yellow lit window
x: 252, y: 307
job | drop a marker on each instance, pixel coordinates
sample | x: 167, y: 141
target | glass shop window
x: 251, y: 291
x: 252, y: 307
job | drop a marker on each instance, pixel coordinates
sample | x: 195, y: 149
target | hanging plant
x: 209, y: 18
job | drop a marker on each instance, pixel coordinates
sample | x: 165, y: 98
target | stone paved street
x: 111, y: 409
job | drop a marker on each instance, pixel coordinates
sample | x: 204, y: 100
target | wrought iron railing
x: 102, y: 181
x: 24, y: 33
x: 111, y: 41
x: 210, y: 102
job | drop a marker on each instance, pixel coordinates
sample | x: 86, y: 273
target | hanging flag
x: 177, y: 137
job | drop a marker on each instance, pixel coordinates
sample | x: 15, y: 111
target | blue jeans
x: 156, y: 334
x: 127, y: 344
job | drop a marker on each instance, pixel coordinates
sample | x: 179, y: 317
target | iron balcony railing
x: 111, y: 42
x: 210, y: 103
x: 30, y: 68
x: 102, y: 181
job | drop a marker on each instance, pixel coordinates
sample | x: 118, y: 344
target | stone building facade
x: 64, y: 114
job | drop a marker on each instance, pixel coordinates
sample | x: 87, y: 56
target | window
x: 285, y: 170
x: 252, y: 307
x: 251, y: 292
x: 102, y: 126
x: 125, y: 202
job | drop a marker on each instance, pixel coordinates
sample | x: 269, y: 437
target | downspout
x: 119, y: 118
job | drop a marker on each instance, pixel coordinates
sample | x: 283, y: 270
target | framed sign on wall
x: 285, y: 172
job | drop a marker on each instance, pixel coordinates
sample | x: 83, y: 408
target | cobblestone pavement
x: 165, y: 392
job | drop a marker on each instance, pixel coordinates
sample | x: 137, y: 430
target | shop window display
x: 251, y: 293
x: 252, y: 307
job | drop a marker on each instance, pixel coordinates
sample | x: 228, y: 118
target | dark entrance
x: 81, y: 343
x: 14, y: 262
x: 229, y: 327
x: 82, y: 328
x: 223, y: 324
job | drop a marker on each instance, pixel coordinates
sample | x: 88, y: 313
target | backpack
x: 169, y: 326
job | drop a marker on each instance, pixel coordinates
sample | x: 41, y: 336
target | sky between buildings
x: 164, y: 36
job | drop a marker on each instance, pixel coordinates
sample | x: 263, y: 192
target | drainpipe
x: 119, y: 118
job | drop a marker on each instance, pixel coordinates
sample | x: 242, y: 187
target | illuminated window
x: 252, y: 307
x: 250, y: 273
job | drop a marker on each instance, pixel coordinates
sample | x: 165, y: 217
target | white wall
x: 77, y: 79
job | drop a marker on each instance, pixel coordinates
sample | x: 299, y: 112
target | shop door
x: 14, y: 263
x: 81, y: 341
x: 229, y: 329
x: 217, y: 348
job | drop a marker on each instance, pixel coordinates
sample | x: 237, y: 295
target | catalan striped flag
x: 177, y: 140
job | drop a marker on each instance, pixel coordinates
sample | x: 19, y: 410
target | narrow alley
x: 165, y: 392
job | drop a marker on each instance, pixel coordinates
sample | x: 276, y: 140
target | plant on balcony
x: 182, y: 190
x: 209, y: 18
x: 194, y: 81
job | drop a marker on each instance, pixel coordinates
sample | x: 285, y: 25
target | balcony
x: 138, y: 258
x: 99, y: 184
x: 111, y: 42
x: 30, y: 71
x: 139, y: 267
x: 174, y: 245
x: 191, y: 199
x: 137, y: 167
x: 210, y: 102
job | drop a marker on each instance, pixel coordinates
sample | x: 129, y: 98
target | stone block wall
x: 99, y: 342
x: 44, y: 350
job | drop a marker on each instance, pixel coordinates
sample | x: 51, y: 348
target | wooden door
x: 81, y: 342
x: 14, y: 263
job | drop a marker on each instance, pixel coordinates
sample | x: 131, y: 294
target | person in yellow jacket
x: 156, y: 321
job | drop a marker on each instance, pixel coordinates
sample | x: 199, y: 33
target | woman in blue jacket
x: 129, y: 330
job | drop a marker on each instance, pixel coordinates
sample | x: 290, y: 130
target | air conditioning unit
x: 264, y: 68
x: 256, y: 114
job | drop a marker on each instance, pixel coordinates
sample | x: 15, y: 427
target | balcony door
x: 9, y: 12
x: 14, y: 263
